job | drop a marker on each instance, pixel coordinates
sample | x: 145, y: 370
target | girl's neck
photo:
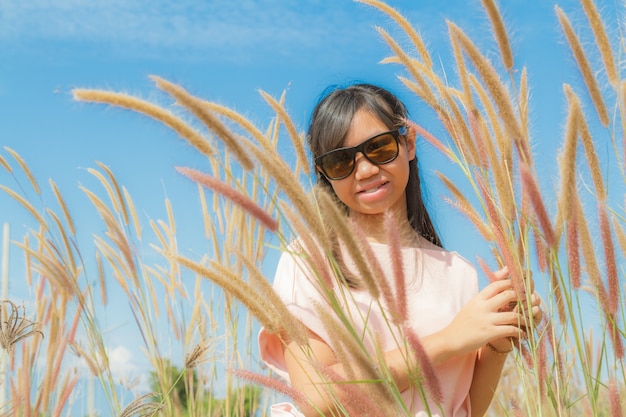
x: 374, y: 227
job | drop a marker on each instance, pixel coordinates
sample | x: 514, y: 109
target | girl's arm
x: 487, y: 371
x: 490, y: 361
x: 478, y: 322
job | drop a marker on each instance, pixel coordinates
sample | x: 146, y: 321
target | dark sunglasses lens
x: 381, y: 149
x: 338, y: 164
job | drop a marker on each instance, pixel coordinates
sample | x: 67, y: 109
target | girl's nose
x: 364, y: 168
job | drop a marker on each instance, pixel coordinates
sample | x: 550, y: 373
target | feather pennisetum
x: 567, y: 160
x: 288, y: 323
x: 314, y: 249
x: 476, y: 127
x: 429, y: 376
x: 68, y: 254
x: 557, y: 292
x: 499, y: 163
x: 395, y: 255
x: 541, y: 364
x: 296, y: 139
x: 28, y: 206
x: 236, y: 287
x: 115, y: 234
x: 65, y: 394
x: 458, y: 128
x: 462, y: 72
x: 466, y: 208
x: 198, y: 109
x: 573, y: 256
x: 337, y: 221
x: 620, y: 233
x: 25, y: 168
x: 486, y: 270
x: 531, y: 189
x: 270, y: 383
x: 346, y: 338
x: 592, y: 158
x: 360, y: 361
x: 524, y: 96
x: 357, y: 401
x: 89, y: 361
x: 502, y: 144
x: 51, y: 269
x: 406, y: 26
x: 66, y: 212
x: 241, y: 121
x: 375, y: 266
x: 588, y: 250
x: 5, y: 164
x: 101, y: 278
x: 231, y: 194
x: 430, y: 138
x: 615, y: 399
x: 288, y: 183
x: 541, y: 251
x: 506, y: 254
x: 499, y: 33
x: 116, y: 192
x: 602, y: 40
x: 133, y: 212
x: 496, y: 88
x: 417, y: 69
x: 584, y: 66
x: 149, y: 109
x: 609, y: 258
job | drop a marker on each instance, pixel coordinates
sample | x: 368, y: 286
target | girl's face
x: 371, y: 188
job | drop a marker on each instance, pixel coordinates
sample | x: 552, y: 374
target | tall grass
x: 252, y: 199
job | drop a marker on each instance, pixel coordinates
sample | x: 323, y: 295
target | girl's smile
x: 372, y: 188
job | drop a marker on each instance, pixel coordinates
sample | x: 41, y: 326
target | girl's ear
x: 411, y: 137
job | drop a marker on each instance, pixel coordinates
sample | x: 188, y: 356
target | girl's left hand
x: 528, y: 321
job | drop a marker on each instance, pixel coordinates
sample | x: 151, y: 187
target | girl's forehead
x: 363, y: 126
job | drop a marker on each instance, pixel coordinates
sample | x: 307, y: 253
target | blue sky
x: 225, y: 51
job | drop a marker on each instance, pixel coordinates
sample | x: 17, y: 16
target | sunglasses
x: 380, y: 149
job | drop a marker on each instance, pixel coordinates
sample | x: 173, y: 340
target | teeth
x: 371, y: 190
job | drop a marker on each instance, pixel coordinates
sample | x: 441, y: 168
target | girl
x: 364, y: 151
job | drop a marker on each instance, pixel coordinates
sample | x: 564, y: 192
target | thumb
x: 491, y: 275
x: 501, y: 274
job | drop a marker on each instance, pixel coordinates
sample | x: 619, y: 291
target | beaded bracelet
x: 496, y: 351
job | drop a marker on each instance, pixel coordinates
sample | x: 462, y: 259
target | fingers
x: 502, y: 273
x: 509, y: 330
x: 537, y: 314
x: 495, y: 287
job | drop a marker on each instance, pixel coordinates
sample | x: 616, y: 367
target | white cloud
x: 121, y: 363
x: 224, y: 26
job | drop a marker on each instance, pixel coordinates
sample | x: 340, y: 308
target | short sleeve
x: 296, y: 286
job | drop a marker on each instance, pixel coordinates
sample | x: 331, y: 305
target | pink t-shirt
x: 437, y: 285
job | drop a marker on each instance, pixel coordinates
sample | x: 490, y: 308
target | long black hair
x: 329, y: 126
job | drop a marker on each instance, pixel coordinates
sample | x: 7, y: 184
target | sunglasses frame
x: 395, y: 133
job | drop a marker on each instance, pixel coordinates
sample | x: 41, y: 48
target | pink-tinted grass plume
x: 397, y: 264
x: 427, y: 371
x: 270, y: 383
x: 233, y: 195
x: 609, y: 256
